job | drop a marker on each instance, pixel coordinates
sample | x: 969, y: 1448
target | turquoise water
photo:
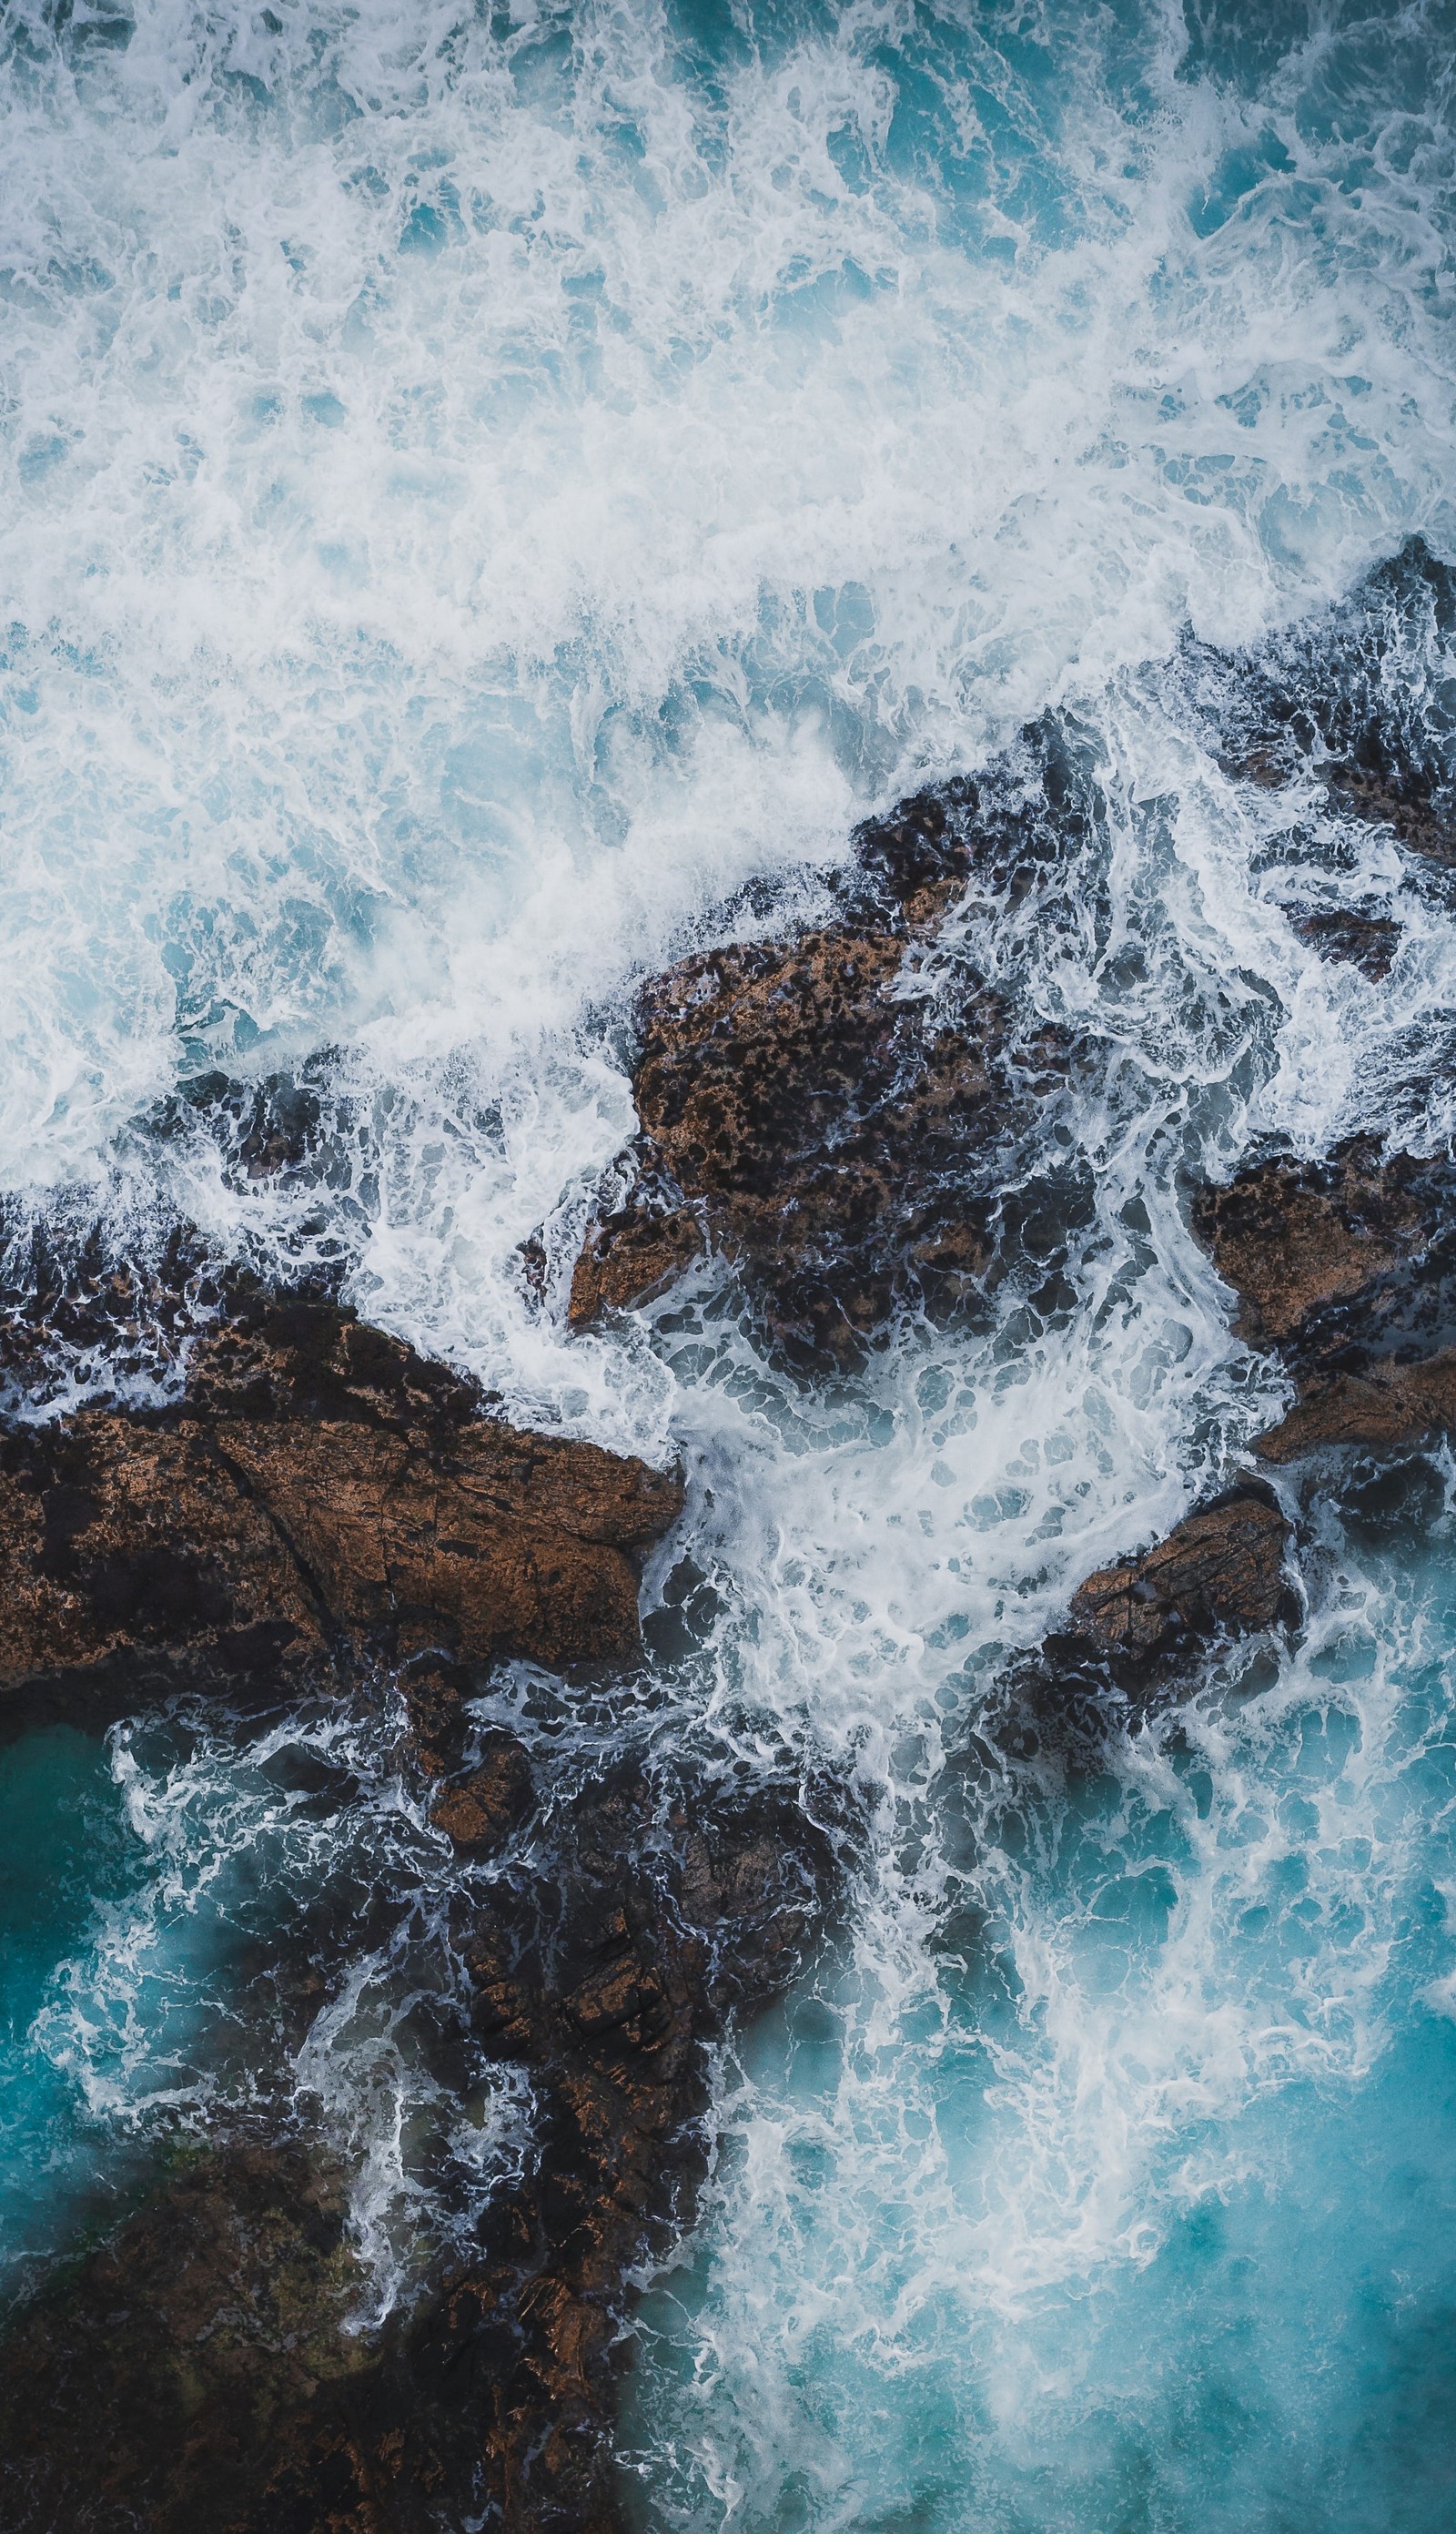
x: 481, y: 489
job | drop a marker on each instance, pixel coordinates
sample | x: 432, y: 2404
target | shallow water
x: 479, y: 491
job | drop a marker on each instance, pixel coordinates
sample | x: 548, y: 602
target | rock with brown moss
x: 320, y: 1489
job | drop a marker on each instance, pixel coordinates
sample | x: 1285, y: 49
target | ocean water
x: 489, y: 499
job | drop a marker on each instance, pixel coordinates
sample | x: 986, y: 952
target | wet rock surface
x: 1352, y: 1253
x: 1222, y: 1568
x: 827, y: 1127
x: 1347, y: 1269
x: 198, y: 2377
x: 320, y: 1494
x: 319, y: 1491
x: 1353, y: 701
x: 1368, y: 942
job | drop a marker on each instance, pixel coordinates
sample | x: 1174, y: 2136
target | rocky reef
x: 809, y: 1110
x: 1222, y: 1569
x: 318, y: 1491
x: 204, y: 2372
x: 316, y: 1502
x: 1346, y: 1269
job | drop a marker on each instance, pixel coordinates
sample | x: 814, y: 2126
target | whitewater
x: 488, y: 500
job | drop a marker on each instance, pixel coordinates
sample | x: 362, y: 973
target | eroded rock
x: 1356, y: 1250
x: 198, y: 2376
x: 320, y: 1488
x: 1389, y: 1407
x: 809, y: 1112
x: 1222, y: 1568
x: 1347, y: 1269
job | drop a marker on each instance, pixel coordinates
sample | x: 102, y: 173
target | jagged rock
x: 1397, y: 798
x: 1325, y: 1254
x: 1347, y: 1268
x: 480, y: 1811
x: 319, y: 1488
x: 820, y: 1122
x: 631, y: 1257
x: 1222, y: 1568
x: 197, y: 2378
x: 1389, y: 1407
x: 1368, y: 942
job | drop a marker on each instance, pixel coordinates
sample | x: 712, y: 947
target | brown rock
x: 1318, y: 1250
x: 480, y: 1812
x: 824, y: 1126
x: 195, y: 2375
x: 631, y: 1258
x: 1222, y: 1568
x: 320, y: 1488
x: 1401, y: 801
x: 1390, y: 1407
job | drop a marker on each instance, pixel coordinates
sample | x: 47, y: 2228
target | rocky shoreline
x: 316, y: 1500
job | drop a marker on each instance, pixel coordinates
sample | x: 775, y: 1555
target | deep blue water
x: 477, y: 489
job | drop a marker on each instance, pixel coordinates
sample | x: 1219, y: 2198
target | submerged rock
x: 199, y: 2375
x: 151, y: 2386
x: 320, y: 1488
x: 1222, y: 1568
x: 809, y: 1112
x: 1368, y: 942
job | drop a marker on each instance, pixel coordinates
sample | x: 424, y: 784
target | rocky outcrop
x: 319, y: 1489
x: 1347, y: 1269
x: 1341, y: 934
x: 1222, y: 1568
x: 806, y: 1111
x: 197, y: 2376
x: 319, y: 1493
x: 1388, y: 1409
x: 1356, y: 1251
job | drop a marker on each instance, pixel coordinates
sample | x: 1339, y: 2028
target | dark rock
x: 824, y: 1124
x: 320, y: 1488
x: 1389, y: 1407
x: 196, y: 2377
x: 1392, y: 798
x: 1358, y: 697
x: 479, y: 1812
x: 151, y: 2388
x: 1222, y: 1568
x: 1352, y: 1251
x: 1368, y: 942
x: 1347, y: 1268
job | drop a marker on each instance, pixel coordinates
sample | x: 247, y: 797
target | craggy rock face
x: 320, y: 1488
x: 1391, y: 1408
x: 1368, y: 942
x: 810, y: 1115
x: 1222, y: 1568
x: 1347, y: 1267
x: 1328, y: 1256
x: 197, y: 2377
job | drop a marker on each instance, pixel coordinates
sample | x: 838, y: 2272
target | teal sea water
x: 479, y: 490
